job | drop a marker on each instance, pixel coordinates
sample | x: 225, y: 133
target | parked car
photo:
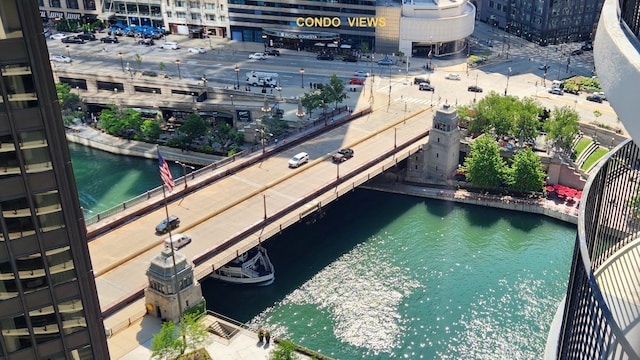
x: 110, y: 40
x: 601, y: 94
x: 356, y: 81
x: 543, y: 67
x: 350, y: 58
x: 58, y: 36
x: 419, y: 80
x: 177, y: 241
x: 474, y: 88
x: 594, y: 98
x: 452, y: 76
x: 426, y: 87
x: 87, y: 37
x: 197, y: 50
x: 342, y: 155
x: 577, y: 52
x: 325, y: 57
x: 167, y: 224
x: 361, y: 73
x: 556, y: 91
x: 257, y: 56
x: 72, y: 40
x: 386, y: 61
x: 61, y: 58
x: 169, y: 45
x: 587, y: 47
x: 146, y: 41
x: 272, y: 52
x: 571, y: 90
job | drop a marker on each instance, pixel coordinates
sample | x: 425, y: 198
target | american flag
x: 165, y: 174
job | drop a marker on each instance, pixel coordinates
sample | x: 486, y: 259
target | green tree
x: 150, y: 130
x: 311, y: 101
x: 286, y: 350
x: 526, y: 172
x: 167, y: 344
x: 66, y: 98
x: 562, y: 127
x: 485, y: 167
x: 227, y: 136
x: 526, y: 121
x: 194, y: 127
x: 173, y: 341
x: 275, y: 125
x: 123, y: 123
x: 334, y: 91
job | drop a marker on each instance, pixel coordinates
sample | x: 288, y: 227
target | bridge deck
x: 228, y: 217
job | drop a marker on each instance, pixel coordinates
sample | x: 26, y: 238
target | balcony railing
x: 602, y: 312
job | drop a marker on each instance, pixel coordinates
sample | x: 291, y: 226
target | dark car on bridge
x: 342, y: 155
x: 594, y: 98
x: 350, y: 58
x: 167, y: 224
x: 419, y: 80
x: 426, y: 87
x: 474, y: 88
x: 325, y: 57
x: 109, y: 39
x: 87, y: 37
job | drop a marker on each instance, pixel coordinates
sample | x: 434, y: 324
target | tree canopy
x: 562, y: 127
x: 505, y: 115
x: 173, y: 341
x: 525, y: 173
x: 484, y: 165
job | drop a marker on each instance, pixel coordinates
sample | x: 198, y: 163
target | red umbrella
x: 550, y: 188
x: 578, y: 195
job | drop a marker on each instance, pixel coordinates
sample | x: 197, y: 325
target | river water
x: 384, y: 276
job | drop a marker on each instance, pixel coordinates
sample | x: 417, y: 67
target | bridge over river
x: 238, y: 211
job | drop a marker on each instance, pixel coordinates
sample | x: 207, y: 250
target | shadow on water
x: 304, y: 249
x: 525, y: 223
x: 439, y: 208
x: 481, y: 216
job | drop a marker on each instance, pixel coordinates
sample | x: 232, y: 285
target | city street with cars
x: 513, y: 66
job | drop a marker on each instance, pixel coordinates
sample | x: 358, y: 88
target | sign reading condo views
x: 336, y: 22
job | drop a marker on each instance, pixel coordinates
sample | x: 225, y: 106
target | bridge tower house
x: 161, y: 297
x: 440, y: 156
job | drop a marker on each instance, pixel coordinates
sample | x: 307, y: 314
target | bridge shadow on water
x: 304, y: 249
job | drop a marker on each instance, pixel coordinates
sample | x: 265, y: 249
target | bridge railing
x: 599, y: 319
x: 251, y: 154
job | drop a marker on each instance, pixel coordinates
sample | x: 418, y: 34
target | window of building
x: 7, y: 280
x: 195, y: 16
x: 72, y: 4
x: 89, y: 4
x: 169, y: 14
x: 61, y: 265
x: 44, y: 323
x: 194, y: 4
x: 9, y: 20
x: 15, y: 333
x: 35, y: 151
x: 211, y: 17
x: 181, y: 15
x: 8, y: 157
x: 72, y: 314
x: 31, y: 273
x: 492, y: 4
x: 18, y: 81
x: 17, y: 217
x: 209, y: 6
x: 180, y: 3
x: 49, y: 211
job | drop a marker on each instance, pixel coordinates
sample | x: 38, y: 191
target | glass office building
x: 48, y: 301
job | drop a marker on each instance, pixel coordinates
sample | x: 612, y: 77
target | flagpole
x: 173, y: 258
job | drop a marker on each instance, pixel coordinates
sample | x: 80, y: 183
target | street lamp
x: 300, y: 113
x: 204, y: 81
x: 231, y: 96
x: 78, y: 91
x: 507, y: 86
x: 130, y: 70
x: 154, y: 97
x: 179, y: 74
x: 68, y: 52
x: 324, y: 112
x: 263, y: 137
x: 120, y: 55
x: 184, y: 171
x: 115, y: 91
x: 237, y: 70
x: 302, y: 77
x: 475, y: 92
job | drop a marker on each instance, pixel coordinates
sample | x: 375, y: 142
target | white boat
x: 252, y: 267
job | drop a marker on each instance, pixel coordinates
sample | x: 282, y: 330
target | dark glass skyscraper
x: 48, y: 301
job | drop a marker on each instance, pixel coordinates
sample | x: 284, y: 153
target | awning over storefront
x: 56, y: 15
x: 345, y: 46
x: 318, y: 44
x: 73, y: 16
x: 301, y: 35
x: 332, y: 45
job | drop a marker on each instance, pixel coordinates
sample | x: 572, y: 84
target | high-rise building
x: 600, y: 315
x: 543, y: 21
x: 48, y: 301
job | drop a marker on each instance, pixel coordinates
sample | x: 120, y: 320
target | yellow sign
x: 336, y: 22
